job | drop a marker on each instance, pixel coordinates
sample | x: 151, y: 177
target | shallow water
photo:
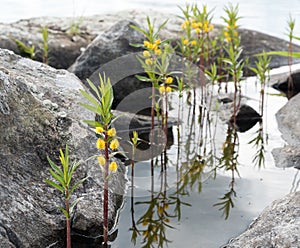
x: 202, y: 224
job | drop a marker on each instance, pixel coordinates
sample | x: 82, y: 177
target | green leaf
x: 55, y: 167
x: 54, y: 185
x: 94, y: 109
x: 143, y: 78
x: 72, y: 168
x: 284, y: 54
x: 58, y: 178
x: 65, y: 212
x: 77, y: 184
x: 94, y: 88
x: 90, y: 98
x: 92, y: 123
x: 73, y: 204
x: 139, y: 30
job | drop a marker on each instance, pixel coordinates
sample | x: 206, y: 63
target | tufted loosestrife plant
x: 107, y: 143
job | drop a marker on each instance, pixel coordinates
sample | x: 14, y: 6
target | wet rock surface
x: 39, y: 114
x: 277, y: 226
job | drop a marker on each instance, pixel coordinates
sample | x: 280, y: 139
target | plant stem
x: 68, y: 220
x: 105, y: 200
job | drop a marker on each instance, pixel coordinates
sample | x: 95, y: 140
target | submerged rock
x: 39, y: 114
x: 277, y: 226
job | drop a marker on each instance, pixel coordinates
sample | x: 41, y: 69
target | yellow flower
x: 185, y: 42
x: 149, y: 62
x: 146, y: 43
x: 211, y: 27
x: 99, y: 129
x: 185, y: 24
x: 157, y: 52
x: 114, y: 144
x: 146, y: 53
x: 193, y: 43
x: 197, y: 30
x: 168, y: 89
x: 158, y: 41
x: 228, y: 39
x: 195, y: 25
x: 226, y: 34
x: 169, y: 80
x: 162, y: 89
x: 113, y: 166
x: 111, y: 132
x: 153, y: 47
x: 200, y: 24
x: 235, y: 33
x: 101, y: 160
x: 100, y: 144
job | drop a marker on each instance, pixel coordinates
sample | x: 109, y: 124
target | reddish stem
x: 105, y: 200
x: 68, y: 220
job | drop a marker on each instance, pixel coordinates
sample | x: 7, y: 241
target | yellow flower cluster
x: 186, y: 42
x: 112, y: 132
x: 153, y: 47
x: 114, y: 144
x: 101, y: 160
x: 99, y: 130
x: 100, y: 144
x: 113, y: 166
x: 206, y: 27
x: 165, y: 88
x: 231, y: 32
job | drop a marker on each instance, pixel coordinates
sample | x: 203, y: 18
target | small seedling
x: 63, y: 176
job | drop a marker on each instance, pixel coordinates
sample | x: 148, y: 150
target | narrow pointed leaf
x: 54, y: 185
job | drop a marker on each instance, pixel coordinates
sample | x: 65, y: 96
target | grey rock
x: 254, y: 42
x: 114, y: 43
x: 33, y: 129
x: 288, y: 121
x: 277, y: 226
x: 63, y: 47
x: 246, y: 116
x: 287, y: 156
